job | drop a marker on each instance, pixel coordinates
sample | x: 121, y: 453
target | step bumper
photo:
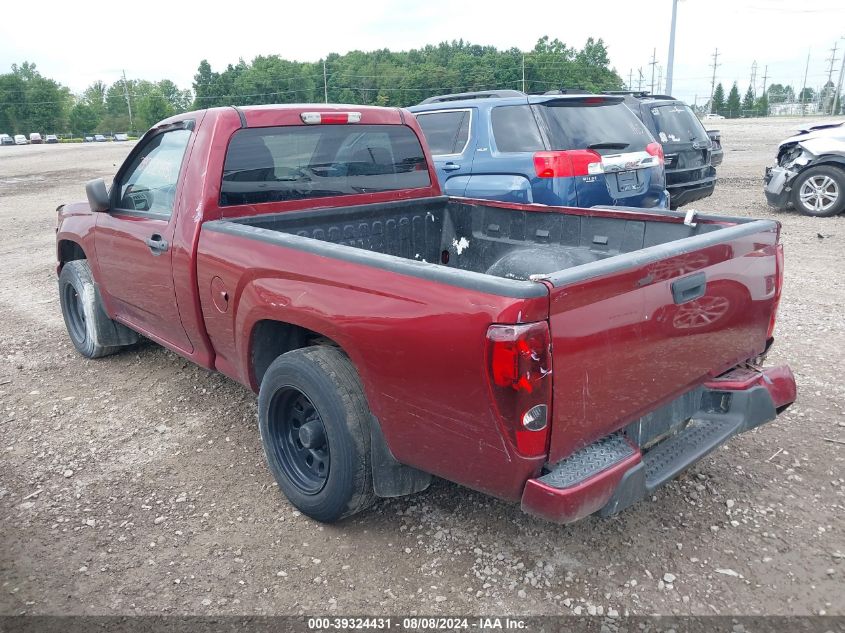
x: 620, y: 469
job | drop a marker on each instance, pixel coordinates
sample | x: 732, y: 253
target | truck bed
x: 477, y: 237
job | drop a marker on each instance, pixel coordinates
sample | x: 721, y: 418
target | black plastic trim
x: 241, y: 116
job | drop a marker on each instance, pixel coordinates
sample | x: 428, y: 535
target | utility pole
x: 765, y: 79
x: 128, y: 104
x: 325, y: 83
x: 837, y: 97
x: 670, y: 63
x: 653, y: 63
x: 640, y: 84
x: 523, y: 72
x: 713, y: 81
x: 630, y: 79
x: 832, y: 60
x: 660, y: 80
x: 754, y: 78
x: 804, y: 86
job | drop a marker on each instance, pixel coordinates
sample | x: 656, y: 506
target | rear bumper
x: 619, y: 470
x: 684, y: 194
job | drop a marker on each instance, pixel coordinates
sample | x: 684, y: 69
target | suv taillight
x: 656, y: 149
x: 520, y: 366
x: 566, y: 164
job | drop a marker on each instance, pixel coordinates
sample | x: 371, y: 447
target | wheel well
x: 270, y: 339
x: 70, y: 251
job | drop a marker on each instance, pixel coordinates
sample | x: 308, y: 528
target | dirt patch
x: 136, y: 483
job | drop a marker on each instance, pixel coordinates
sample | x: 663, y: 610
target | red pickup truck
x: 570, y: 359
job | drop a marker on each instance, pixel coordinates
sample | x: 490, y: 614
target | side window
x: 515, y: 129
x: 149, y: 183
x: 446, y: 132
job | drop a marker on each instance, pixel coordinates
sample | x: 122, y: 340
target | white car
x: 121, y: 137
x: 713, y: 116
x: 20, y: 139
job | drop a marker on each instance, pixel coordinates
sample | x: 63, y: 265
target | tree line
x: 776, y: 95
x: 30, y: 102
x: 403, y: 78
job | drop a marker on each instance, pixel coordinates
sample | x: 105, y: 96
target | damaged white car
x: 810, y: 173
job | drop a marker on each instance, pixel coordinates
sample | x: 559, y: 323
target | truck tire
x: 820, y: 191
x: 314, y: 423
x: 91, y: 331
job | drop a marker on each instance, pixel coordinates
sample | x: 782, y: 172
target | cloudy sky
x: 78, y: 43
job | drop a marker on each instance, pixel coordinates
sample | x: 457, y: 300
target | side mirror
x: 98, y: 196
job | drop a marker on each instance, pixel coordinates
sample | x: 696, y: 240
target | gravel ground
x: 136, y: 484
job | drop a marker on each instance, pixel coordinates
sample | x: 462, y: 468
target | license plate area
x: 628, y: 180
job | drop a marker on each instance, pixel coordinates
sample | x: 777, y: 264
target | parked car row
x: 570, y: 149
x: 35, y: 138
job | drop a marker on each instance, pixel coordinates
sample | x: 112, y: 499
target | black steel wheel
x: 90, y: 329
x: 299, y: 440
x: 315, y: 429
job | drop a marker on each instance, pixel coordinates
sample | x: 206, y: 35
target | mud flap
x: 390, y: 477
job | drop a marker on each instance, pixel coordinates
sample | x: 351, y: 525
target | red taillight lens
x: 520, y: 362
x: 566, y: 164
x: 656, y: 149
x: 778, y: 289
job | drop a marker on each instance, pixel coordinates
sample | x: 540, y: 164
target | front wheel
x: 315, y: 430
x: 91, y: 331
x: 820, y: 191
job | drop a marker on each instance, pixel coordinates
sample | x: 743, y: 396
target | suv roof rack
x: 485, y: 94
x: 567, y: 91
x: 639, y: 94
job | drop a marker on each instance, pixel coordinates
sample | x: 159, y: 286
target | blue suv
x: 576, y: 150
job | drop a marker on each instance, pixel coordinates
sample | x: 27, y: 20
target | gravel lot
x: 136, y: 483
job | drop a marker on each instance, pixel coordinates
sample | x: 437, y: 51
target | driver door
x: 134, y: 239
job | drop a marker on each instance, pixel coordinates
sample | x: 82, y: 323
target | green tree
x: 733, y: 105
x: 83, y: 119
x: 748, y: 103
x: 718, y: 103
x: 762, y: 105
x: 807, y: 95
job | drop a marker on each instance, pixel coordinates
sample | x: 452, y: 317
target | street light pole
x: 837, y: 97
x: 671, y: 62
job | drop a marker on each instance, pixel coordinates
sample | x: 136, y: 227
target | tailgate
x: 634, y: 331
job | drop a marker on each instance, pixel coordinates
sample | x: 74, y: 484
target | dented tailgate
x: 634, y: 331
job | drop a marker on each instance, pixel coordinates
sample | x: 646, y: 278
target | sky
x: 79, y: 43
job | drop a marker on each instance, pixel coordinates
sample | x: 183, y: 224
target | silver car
x: 810, y: 172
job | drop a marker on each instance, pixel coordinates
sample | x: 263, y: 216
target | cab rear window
x: 295, y: 163
x: 677, y: 124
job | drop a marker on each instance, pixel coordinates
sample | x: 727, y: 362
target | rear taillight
x: 520, y: 365
x: 778, y: 289
x: 566, y: 164
x: 330, y: 118
x: 655, y: 149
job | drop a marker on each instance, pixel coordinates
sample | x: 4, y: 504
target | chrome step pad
x: 589, y: 461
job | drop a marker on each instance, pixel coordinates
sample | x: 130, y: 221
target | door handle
x: 157, y: 244
x: 689, y: 288
x: 450, y: 166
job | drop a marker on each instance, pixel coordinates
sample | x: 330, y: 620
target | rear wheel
x: 820, y: 191
x: 315, y: 429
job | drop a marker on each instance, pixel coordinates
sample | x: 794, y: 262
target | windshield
x: 676, y: 123
x: 607, y: 127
